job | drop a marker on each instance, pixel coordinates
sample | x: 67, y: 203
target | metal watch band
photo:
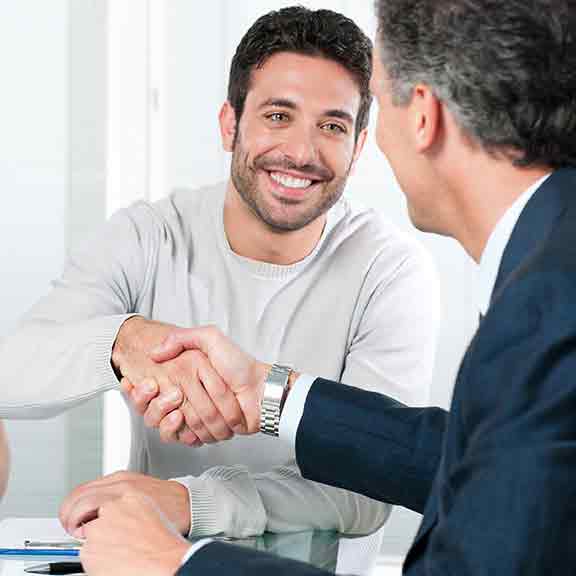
x: 275, y: 387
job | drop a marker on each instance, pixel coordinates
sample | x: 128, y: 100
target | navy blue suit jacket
x: 496, y: 478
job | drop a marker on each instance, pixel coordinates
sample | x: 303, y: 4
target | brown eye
x: 277, y: 117
x: 334, y: 128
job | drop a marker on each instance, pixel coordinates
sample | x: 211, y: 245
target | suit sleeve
x: 370, y: 444
x: 59, y: 355
x: 508, y: 506
x: 231, y: 560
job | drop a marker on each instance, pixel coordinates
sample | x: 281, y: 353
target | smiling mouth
x: 291, y: 182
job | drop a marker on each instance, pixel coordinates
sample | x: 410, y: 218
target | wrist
x: 260, y: 373
x: 126, y: 340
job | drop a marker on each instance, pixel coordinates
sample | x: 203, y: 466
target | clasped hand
x: 194, y: 385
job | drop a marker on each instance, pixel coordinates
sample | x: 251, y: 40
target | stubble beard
x: 244, y: 177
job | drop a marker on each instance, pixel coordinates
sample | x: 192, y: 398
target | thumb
x: 172, y: 347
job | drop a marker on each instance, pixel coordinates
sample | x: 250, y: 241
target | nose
x: 301, y: 146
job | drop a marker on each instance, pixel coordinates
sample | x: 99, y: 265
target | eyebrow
x: 290, y: 105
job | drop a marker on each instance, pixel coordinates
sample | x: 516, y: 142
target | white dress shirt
x: 494, y: 249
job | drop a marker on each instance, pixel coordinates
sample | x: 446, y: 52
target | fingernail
x: 148, y: 387
x: 174, y: 417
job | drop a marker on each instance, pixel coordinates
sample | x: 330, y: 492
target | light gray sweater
x: 361, y: 308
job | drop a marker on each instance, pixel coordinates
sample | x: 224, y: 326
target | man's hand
x: 130, y: 358
x: 84, y: 503
x: 156, y: 389
x: 207, y: 398
x: 243, y: 374
x: 131, y: 537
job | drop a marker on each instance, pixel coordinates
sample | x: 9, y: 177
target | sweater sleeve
x: 228, y: 500
x: 59, y: 355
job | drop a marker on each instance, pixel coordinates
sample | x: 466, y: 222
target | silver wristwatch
x: 275, y: 389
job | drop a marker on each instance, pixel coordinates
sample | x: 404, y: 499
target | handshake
x: 194, y: 385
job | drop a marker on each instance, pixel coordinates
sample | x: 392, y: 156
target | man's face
x: 399, y: 132
x: 295, y: 143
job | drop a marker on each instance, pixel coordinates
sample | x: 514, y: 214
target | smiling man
x: 275, y: 257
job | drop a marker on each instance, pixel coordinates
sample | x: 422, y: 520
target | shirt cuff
x: 294, y: 408
x: 194, y: 548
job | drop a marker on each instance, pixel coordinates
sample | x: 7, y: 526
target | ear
x: 227, y: 118
x: 426, y: 110
x: 359, y: 146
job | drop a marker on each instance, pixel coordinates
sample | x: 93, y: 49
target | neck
x: 252, y: 238
x: 490, y: 188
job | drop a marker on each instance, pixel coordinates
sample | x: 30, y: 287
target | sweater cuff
x: 224, y: 500
x: 103, y: 344
x: 203, y: 511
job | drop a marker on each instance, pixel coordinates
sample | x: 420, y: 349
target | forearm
x: 370, y: 444
x: 229, y: 500
x: 49, y: 366
x: 294, y: 504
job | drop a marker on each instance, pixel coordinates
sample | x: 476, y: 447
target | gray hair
x: 505, y: 69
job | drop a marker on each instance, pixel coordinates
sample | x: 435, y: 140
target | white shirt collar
x: 494, y: 249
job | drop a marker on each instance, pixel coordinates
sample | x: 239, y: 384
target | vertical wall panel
x: 33, y: 188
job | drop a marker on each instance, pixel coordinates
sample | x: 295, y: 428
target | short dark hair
x: 321, y: 33
x: 506, y: 69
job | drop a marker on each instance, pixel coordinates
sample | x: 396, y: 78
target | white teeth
x: 290, y: 182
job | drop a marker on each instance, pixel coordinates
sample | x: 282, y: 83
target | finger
x: 186, y: 436
x: 143, y: 393
x: 126, y: 386
x: 195, y: 424
x: 170, y: 426
x: 162, y: 406
x: 223, y: 399
x: 205, y: 409
x: 86, y: 510
x: 185, y: 339
x: 172, y: 347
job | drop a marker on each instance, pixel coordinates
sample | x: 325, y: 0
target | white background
x: 103, y: 102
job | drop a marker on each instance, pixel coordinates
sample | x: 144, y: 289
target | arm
x: 370, y: 444
x: 82, y: 336
x: 4, y: 460
x: 132, y: 538
x: 60, y: 353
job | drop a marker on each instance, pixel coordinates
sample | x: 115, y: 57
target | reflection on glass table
x: 328, y: 550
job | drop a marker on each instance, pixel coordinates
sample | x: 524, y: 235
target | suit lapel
x: 535, y: 224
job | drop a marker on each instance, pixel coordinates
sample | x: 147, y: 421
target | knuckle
x: 211, y: 416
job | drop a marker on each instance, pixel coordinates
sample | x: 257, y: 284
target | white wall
x: 51, y: 183
x: 33, y: 185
